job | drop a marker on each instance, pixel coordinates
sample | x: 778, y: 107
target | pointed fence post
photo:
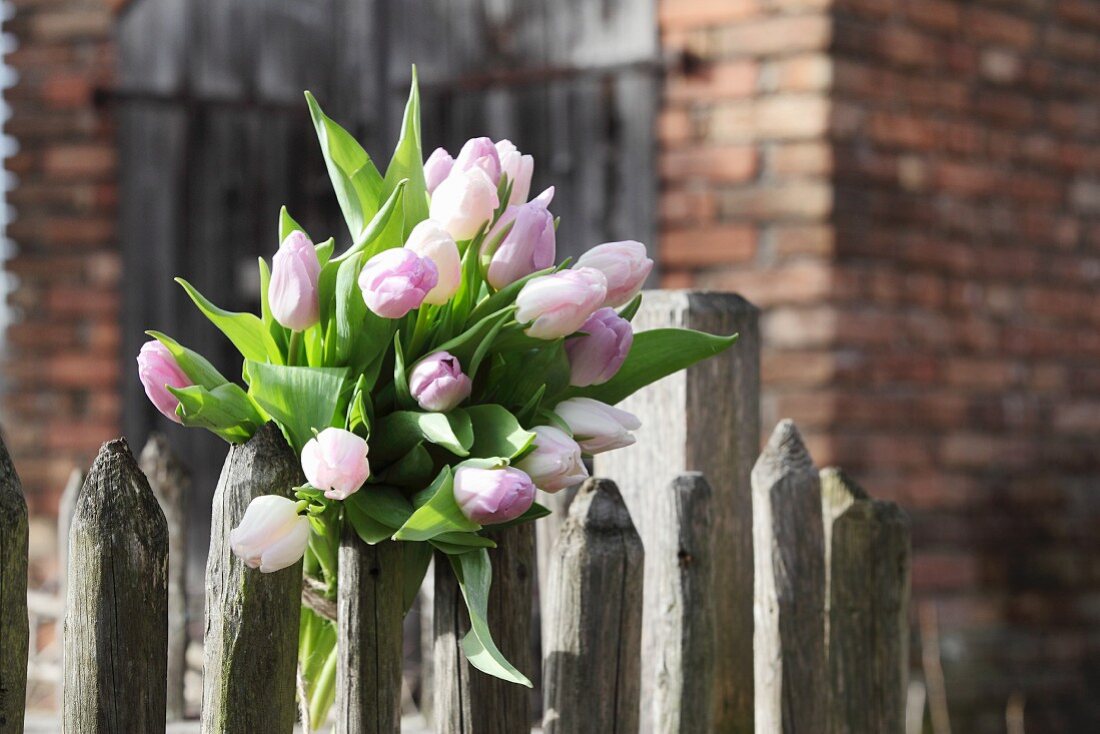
x: 706, y: 418
x: 594, y: 609
x: 117, y: 610
x: 251, y: 640
x: 685, y: 668
x: 14, y: 630
x: 868, y: 600
x: 170, y: 482
x: 369, y: 637
x: 65, y: 507
x: 468, y: 701
x: 789, y: 588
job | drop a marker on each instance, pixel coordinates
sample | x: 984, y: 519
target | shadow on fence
x: 828, y: 593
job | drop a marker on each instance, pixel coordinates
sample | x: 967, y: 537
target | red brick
x: 695, y: 13
x: 80, y: 161
x: 707, y: 245
x: 722, y: 80
x: 719, y: 164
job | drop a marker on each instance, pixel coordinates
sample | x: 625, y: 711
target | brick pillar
x: 911, y: 191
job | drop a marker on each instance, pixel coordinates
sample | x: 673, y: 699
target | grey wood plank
x: 152, y: 40
x: 251, y: 617
x: 705, y: 419
x: 14, y: 630
x: 868, y: 632
x: 369, y: 637
x: 171, y: 484
x: 117, y: 608
x: 468, y: 701
x: 65, y: 507
x: 592, y: 656
x: 789, y: 588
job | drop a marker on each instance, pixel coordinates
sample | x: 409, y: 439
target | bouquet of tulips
x: 434, y: 374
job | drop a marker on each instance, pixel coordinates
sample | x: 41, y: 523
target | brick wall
x: 61, y: 377
x: 911, y: 188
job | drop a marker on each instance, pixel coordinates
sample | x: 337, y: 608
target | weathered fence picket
x: 466, y: 700
x: 171, y: 483
x: 14, y: 632
x: 789, y: 588
x: 65, y: 507
x: 868, y: 625
x: 117, y: 610
x: 369, y: 636
x: 594, y: 615
x: 251, y: 640
x: 706, y: 418
x: 685, y: 668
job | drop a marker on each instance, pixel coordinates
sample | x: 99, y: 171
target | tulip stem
x: 294, y: 348
x: 420, y: 332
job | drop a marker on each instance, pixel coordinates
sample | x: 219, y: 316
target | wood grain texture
x: 592, y: 650
x: 171, y: 482
x: 117, y: 608
x: 468, y: 701
x: 707, y: 419
x: 868, y: 610
x: 789, y: 583
x: 251, y: 640
x: 369, y: 637
x: 14, y: 631
x: 685, y: 668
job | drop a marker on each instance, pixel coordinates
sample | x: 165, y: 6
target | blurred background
x: 909, y: 189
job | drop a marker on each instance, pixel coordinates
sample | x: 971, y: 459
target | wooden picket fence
x: 631, y: 639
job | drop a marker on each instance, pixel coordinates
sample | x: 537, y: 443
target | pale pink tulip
x: 464, y: 202
x: 437, y: 382
x: 292, y: 292
x: 272, y: 535
x: 597, y: 426
x: 430, y: 240
x: 558, y: 304
x: 596, y: 355
x: 555, y: 463
x: 492, y: 496
x: 437, y: 167
x: 158, y: 370
x: 396, y: 281
x: 336, y: 462
x: 625, y: 265
x: 530, y: 244
x: 518, y: 168
x: 479, y: 153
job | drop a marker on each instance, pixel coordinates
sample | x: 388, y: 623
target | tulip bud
x: 396, y: 281
x: 464, y: 202
x: 558, y: 304
x: 624, y: 264
x: 597, y: 355
x: 479, y: 153
x: 530, y: 244
x: 597, y: 426
x: 336, y: 462
x: 555, y: 463
x: 292, y: 292
x: 430, y: 240
x: 272, y: 535
x: 492, y: 496
x: 438, y: 383
x: 518, y: 168
x: 158, y: 370
x: 437, y: 167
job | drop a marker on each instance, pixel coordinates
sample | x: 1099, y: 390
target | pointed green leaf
x: 300, y: 399
x: 655, y: 354
x: 386, y: 505
x: 440, y: 514
x: 193, y: 364
x: 226, y: 411
x: 245, y: 330
x: 497, y: 432
x: 408, y: 163
x: 475, y: 574
x: 398, y: 432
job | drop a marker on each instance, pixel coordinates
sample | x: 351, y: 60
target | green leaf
x: 301, y: 399
x: 226, y: 411
x: 385, y: 505
x: 287, y: 225
x: 467, y: 540
x: 245, y: 330
x: 369, y: 530
x: 475, y: 574
x: 534, y: 512
x: 451, y: 549
x: 467, y: 344
x: 412, y: 470
x: 503, y: 297
x: 378, y: 234
x: 192, y: 363
x: 398, y: 432
x: 274, y: 328
x: 417, y: 558
x: 357, y: 182
x: 407, y: 163
x: 655, y: 354
x: 629, y: 310
x: 439, y: 515
x: 325, y: 250
x: 497, y: 432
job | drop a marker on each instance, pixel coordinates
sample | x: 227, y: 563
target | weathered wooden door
x: 214, y: 137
